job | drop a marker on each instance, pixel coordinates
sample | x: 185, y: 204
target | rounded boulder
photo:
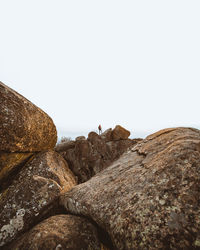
x: 24, y: 126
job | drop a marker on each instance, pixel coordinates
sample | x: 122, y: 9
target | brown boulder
x: 88, y: 157
x: 80, y: 138
x: 63, y: 146
x: 60, y: 232
x: 120, y: 133
x: 24, y: 127
x: 33, y: 194
x: 150, y: 197
x: 107, y: 135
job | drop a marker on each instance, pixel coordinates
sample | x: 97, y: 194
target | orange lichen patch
x: 24, y: 126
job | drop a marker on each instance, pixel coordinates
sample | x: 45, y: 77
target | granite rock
x: 24, y: 127
x: 33, y: 194
x: 150, y: 197
x: 120, y: 133
x: 9, y: 162
x: 88, y: 157
x: 60, y: 232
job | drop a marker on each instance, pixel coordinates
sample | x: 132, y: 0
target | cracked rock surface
x: 33, y: 194
x: 150, y: 197
x: 60, y: 232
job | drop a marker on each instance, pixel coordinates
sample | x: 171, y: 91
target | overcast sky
x: 134, y: 63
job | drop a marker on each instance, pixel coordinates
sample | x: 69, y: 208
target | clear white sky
x: 134, y: 63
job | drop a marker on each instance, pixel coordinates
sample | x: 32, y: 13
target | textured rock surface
x: 150, y: 197
x: 24, y: 127
x: 88, y: 157
x: 11, y: 161
x: 80, y: 138
x: 64, y: 146
x: 120, y: 133
x: 60, y: 232
x: 107, y: 135
x: 33, y: 194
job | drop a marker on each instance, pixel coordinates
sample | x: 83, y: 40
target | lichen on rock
x: 33, y: 194
x: 60, y: 232
x: 24, y: 127
x: 149, y: 198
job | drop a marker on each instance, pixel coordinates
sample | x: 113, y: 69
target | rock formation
x: 33, y: 194
x: 137, y: 194
x: 24, y: 127
x: 60, y: 232
x: 120, y: 133
x: 150, y: 197
x: 88, y: 157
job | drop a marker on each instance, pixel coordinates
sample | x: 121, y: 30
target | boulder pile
x: 103, y: 192
x: 87, y: 157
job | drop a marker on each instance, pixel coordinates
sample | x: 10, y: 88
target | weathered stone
x: 107, y: 135
x: 63, y: 146
x: 150, y: 197
x: 33, y: 194
x: 60, y: 232
x: 120, y: 133
x: 93, y: 136
x: 80, y: 138
x: 88, y: 157
x: 10, y: 162
x: 24, y: 127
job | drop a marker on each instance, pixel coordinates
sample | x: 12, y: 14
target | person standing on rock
x: 100, y: 129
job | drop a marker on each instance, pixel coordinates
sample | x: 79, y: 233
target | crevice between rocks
x: 58, y: 209
x: 8, y: 180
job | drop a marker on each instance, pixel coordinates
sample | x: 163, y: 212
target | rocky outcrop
x: 150, y: 197
x: 119, y: 133
x: 24, y: 127
x: 147, y: 199
x: 60, y: 232
x: 33, y: 194
x: 88, y: 157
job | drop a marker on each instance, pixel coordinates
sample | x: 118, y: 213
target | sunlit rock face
x: 60, y: 232
x: 33, y: 194
x: 150, y: 197
x: 120, y: 133
x: 24, y: 127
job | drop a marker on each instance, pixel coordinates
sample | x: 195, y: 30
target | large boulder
x: 107, y: 135
x: 60, y: 232
x: 24, y: 127
x: 88, y: 157
x: 33, y: 194
x: 120, y: 133
x: 150, y: 197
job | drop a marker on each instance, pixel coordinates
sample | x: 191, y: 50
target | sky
x: 85, y: 63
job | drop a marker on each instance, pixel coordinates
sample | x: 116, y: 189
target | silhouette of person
x: 100, y: 129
